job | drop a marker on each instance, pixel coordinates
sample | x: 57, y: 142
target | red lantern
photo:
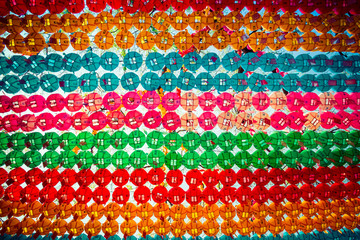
x: 324, y: 174
x: 85, y: 177
x: 121, y: 195
x: 139, y: 177
x: 227, y: 195
x: 174, y: 178
x: 101, y: 195
x: 83, y: 195
x: 338, y: 174
x: 338, y: 191
x: 74, y: 102
x: 80, y: 121
x: 228, y: 177
x: 244, y: 194
x: 260, y: 194
x: 133, y: 119
x: 13, y: 193
x: 159, y: 194
x: 33, y: 176
x: 120, y: 177
x: 55, y: 102
x: 30, y: 193
x: 48, y: 194
x: 260, y: 177
x: 45, y: 121
x: 18, y: 103
x: 156, y: 176
x: 309, y: 175
x: 176, y: 195
x: 97, y: 121
x: 66, y: 194
x: 323, y: 191
x: 62, y: 121
x: 292, y: 193
x: 308, y: 192
x: 36, y: 103
x: 276, y: 194
x: 17, y: 176
x: 50, y: 177
x: 276, y: 176
x: 353, y: 173
x: 210, y: 195
x: 68, y: 177
x: 193, y: 178
x: 102, y: 177
x: 245, y: 177
x: 193, y: 196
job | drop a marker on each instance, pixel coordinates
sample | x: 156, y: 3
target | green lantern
x: 85, y: 140
x: 32, y: 159
x: 155, y: 140
x: 68, y: 141
x: 261, y: 140
x: 51, y: 159
x: 102, y: 159
x: 156, y: 159
x: 208, y: 160
x: 15, y: 158
x: 34, y: 141
x: 243, y: 159
x: 85, y: 158
x: 227, y: 141
x: 51, y: 141
x: 102, y: 140
x: 173, y: 141
x: 137, y: 139
x: 226, y: 160
x: 68, y: 158
x: 173, y: 160
x: 208, y: 141
x: 191, y: 160
x: 191, y: 141
x: 119, y: 140
x: 120, y: 159
x: 260, y: 159
x: 138, y: 159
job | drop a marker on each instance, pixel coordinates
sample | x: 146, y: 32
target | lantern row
x: 329, y: 219
x: 176, y: 195
x: 188, y: 101
x: 186, y: 81
x: 173, y: 160
x: 39, y: 7
x: 173, y: 141
x: 193, y: 178
x: 328, y: 181
x: 202, y: 40
x: 161, y: 211
x: 197, y: 20
x: 192, y: 61
x: 329, y: 234
x: 189, y: 121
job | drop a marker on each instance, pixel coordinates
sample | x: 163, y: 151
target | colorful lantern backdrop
x: 169, y: 119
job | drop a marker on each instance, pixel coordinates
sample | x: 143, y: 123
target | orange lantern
x: 125, y: 39
x: 161, y: 211
x: 178, y: 228
x: 75, y: 227
x: 128, y: 228
x: 95, y: 211
x: 162, y: 228
x: 145, y: 40
x: 178, y: 212
x: 110, y: 228
x: 211, y: 228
